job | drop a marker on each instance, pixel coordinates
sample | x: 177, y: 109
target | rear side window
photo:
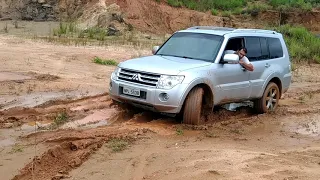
x: 264, y: 48
x: 275, y: 48
x: 254, y: 48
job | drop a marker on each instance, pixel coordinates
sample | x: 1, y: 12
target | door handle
x: 243, y: 69
x: 267, y: 65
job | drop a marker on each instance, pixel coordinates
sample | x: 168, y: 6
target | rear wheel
x: 193, y: 107
x: 270, y: 99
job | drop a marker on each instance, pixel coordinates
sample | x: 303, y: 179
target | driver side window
x: 233, y: 45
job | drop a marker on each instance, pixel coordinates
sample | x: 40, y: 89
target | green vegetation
x: 257, y: 7
x: 16, y: 149
x: 110, y: 62
x: 204, y: 5
x: 179, y: 131
x: 291, y: 4
x: 117, y: 145
x: 231, y: 5
x: 60, y: 119
x: 302, y: 44
x: 214, y: 12
x: 71, y: 30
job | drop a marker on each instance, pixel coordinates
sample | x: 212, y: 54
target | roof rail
x: 218, y: 28
x: 255, y: 31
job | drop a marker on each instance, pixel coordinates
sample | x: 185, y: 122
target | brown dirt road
x: 230, y: 145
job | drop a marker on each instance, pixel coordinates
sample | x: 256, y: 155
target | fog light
x: 164, y: 97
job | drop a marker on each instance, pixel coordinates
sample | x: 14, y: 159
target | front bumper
x: 150, y: 96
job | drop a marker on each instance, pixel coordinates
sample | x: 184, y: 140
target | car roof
x: 216, y: 30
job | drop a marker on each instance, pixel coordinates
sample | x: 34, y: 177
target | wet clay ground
x: 57, y: 122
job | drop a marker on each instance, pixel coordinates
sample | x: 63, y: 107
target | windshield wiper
x: 186, y: 57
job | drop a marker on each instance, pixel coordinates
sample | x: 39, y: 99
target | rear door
x: 258, y: 55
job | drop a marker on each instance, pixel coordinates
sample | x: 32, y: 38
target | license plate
x: 131, y: 91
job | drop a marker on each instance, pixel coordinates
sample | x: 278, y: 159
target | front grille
x: 139, y: 77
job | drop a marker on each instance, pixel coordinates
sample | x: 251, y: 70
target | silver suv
x: 191, y: 73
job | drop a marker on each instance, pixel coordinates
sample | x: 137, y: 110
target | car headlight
x: 168, y: 82
x: 115, y: 74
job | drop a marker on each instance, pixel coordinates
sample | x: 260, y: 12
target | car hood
x: 162, y: 64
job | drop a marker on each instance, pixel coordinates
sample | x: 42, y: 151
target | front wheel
x: 270, y: 99
x: 193, y: 107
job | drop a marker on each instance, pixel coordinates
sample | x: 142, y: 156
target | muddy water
x: 34, y: 99
x: 309, y: 125
x: 97, y: 118
x: 9, y: 76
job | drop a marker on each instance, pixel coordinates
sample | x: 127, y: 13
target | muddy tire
x: 193, y: 107
x: 270, y: 99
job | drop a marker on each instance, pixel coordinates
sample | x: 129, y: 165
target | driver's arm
x: 246, y: 64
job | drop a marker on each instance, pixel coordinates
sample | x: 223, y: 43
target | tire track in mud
x: 69, y: 149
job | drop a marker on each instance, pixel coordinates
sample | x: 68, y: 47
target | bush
x: 302, y: 44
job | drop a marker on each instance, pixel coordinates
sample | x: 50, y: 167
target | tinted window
x: 275, y: 48
x: 264, y: 48
x: 253, y: 47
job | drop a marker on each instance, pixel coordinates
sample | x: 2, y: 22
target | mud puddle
x: 35, y: 99
x: 308, y: 125
x: 96, y: 119
x: 10, y: 76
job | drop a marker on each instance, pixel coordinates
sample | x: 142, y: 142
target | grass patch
x: 226, y: 13
x: 71, y: 30
x: 305, y: 5
x: 60, y: 119
x: 179, y: 131
x: 16, y: 149
x: 117, y: 145
x: 302, y: 44
x: 109, y: 62
x: 214, y: 12
x: 257, y: 7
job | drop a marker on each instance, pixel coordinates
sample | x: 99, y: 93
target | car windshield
x: 197, y: 46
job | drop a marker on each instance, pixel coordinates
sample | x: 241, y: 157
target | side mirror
x: 155, y: 49
x: 231, y: 58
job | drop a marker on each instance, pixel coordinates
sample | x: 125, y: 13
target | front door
x: 232, y: 83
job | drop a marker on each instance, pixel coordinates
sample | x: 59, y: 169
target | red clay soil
x: 69, y: 149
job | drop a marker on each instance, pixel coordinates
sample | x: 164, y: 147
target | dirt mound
x: 151, y: 16
x: 108, y: 17
x: 159, y: 17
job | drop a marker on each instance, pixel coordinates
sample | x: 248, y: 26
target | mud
x: 69, y: 154
x: 65, y: 133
